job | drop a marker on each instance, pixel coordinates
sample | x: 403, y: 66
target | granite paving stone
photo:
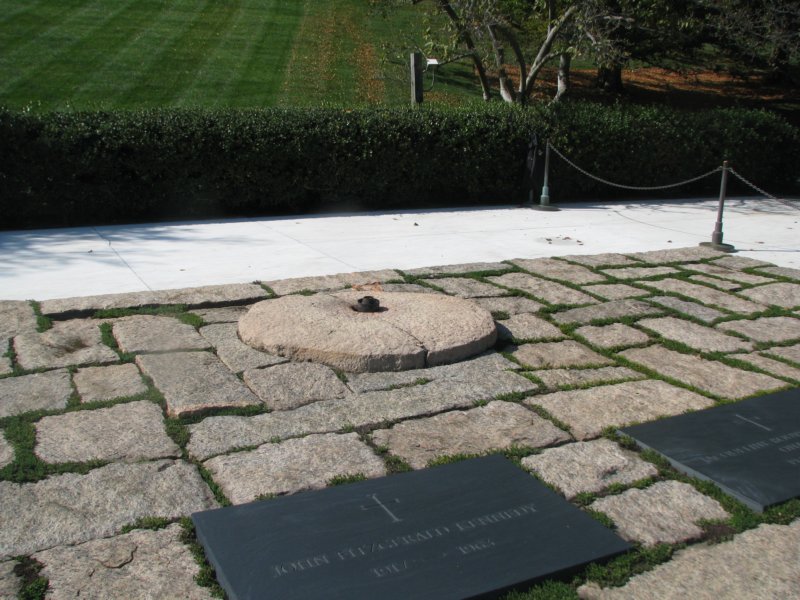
x: 496, y: 426
x: 765, y: 329
x: 667, y: 512
x: 726, y: 273
x: 781, y: 272
x: 6, y: 451
x: 10, y: 582
x: 722, y: 284
x: 73, y: 508
x: 132, y: 431
x: 15, y: 317
x: 98, y: 384
x: 227, y: 314
x: 39, y: 391
x: 527, y: 327
x: 237, y: 355
x: 706, y: 295
x: 759, y: 563
x: 287, y: 386
x: 635, y: 273
x: 215, y: 435
x: 513, y: 305
x: 559, y: 378
x: 609, y: 259
x: 739, y: 263
x: 5, y: 365
x: 149, y: 333
x: 785, y: 295
x: 549, y: 355
x: 771, y: 366
x: 547, y: 291
x: 708, y: 375
x: 673, y: 255
x: 588, y: 467
x: 197, y: 297
x: 465, y: 287
x: 616, y: 291
x: 616, y: 335
x: 457, y: 269
x: 192, y: 381
x: 695, y: 336
x: 791, y: 353
x: 74, y: 342
x: 558, y: 269
x: 294, y: 465
x: 587, y: 412
x: 140, y: 565
x: 409, y: 288
x: 692, y: 309
x: 473, y: 369
x: 331, y: 282
x: 616, y: 309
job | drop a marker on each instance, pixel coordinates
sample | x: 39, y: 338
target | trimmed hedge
x: 102, y: 167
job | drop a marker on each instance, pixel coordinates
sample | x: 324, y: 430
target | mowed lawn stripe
x: 263, y: 63
x: 22, y: 22
x: 131, y: 64
x: 69, y: 58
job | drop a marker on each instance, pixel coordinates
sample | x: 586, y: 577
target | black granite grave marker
x: 750, y: 449
x: 472, y: 529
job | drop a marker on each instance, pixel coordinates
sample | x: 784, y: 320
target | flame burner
x: 367, y: 304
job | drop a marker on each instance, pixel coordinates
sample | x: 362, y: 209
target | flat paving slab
x: 67, y: 343
x: 237, y: 355
x: 559, y: 378
x: 99, y: 384
x: 708, y: 375
x: 558, y: 269
x: 38, y: 391
x: 543, y: 289
x: 149, y: 333
x: 15, y: 317
x: 785, y: 295
x: 527, y: 327
x: 459, y: 269
x: 587, y: 412
x: 765, y: 329
x: 635, y: 273
x: 548, y: 355
x: 6, y: 451
x: 760, y: 563
x: 130, y: 432
x: 616, y: 309
x: 496, y: 426
x: 72, y: 508
x: 463, y: 530
x: 288, y: 467
x: 707, y: 295
x: 691, y: 309
x: 331, y: 282
x: 616, y: 291
x: 465, y: 287
x: 139, y: 565
x: 667, y: 512
x: 588, y: 467
x: 616, y: 335
x: 512, y: 305
x: 695, y: 336
x: 750, y: 449
x: 287, y: 386
x: 193, y: 381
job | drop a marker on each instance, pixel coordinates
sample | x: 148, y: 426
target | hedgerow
x: 103, y: 167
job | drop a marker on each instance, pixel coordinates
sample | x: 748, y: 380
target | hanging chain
x: 762, y: 192
x: 632, y: 187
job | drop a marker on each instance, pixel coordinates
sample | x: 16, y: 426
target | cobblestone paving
x: 109, y: 420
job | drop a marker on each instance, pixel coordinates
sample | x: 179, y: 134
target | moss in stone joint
x: 206, y: 577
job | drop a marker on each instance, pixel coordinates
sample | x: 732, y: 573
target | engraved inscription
x: 757, y: 446
x: 405, y: 540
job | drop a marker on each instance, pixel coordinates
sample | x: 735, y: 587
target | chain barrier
x: 762, y: 192
x: 633, y: 187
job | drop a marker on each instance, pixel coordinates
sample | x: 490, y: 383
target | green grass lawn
x: 103, y: 54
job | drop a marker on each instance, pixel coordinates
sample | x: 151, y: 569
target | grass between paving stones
x: 345, y: 479
x: 178, y: 311
x: 32, y: 585
x: 43, y: 323
x: 207, y: 577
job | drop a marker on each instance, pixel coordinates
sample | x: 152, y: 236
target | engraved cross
x: 764, y: 427
x: 374, y: 498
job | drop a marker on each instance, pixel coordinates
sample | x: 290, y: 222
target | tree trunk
x: 609, y: 79
x: 563, y: 75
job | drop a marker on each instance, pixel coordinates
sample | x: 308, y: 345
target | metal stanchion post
x: 544, y: 199
x: 716, y: 237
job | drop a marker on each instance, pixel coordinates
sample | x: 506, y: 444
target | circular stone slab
x: 411, y: 331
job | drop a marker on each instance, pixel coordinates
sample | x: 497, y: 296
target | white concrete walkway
x: 57, y: 263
